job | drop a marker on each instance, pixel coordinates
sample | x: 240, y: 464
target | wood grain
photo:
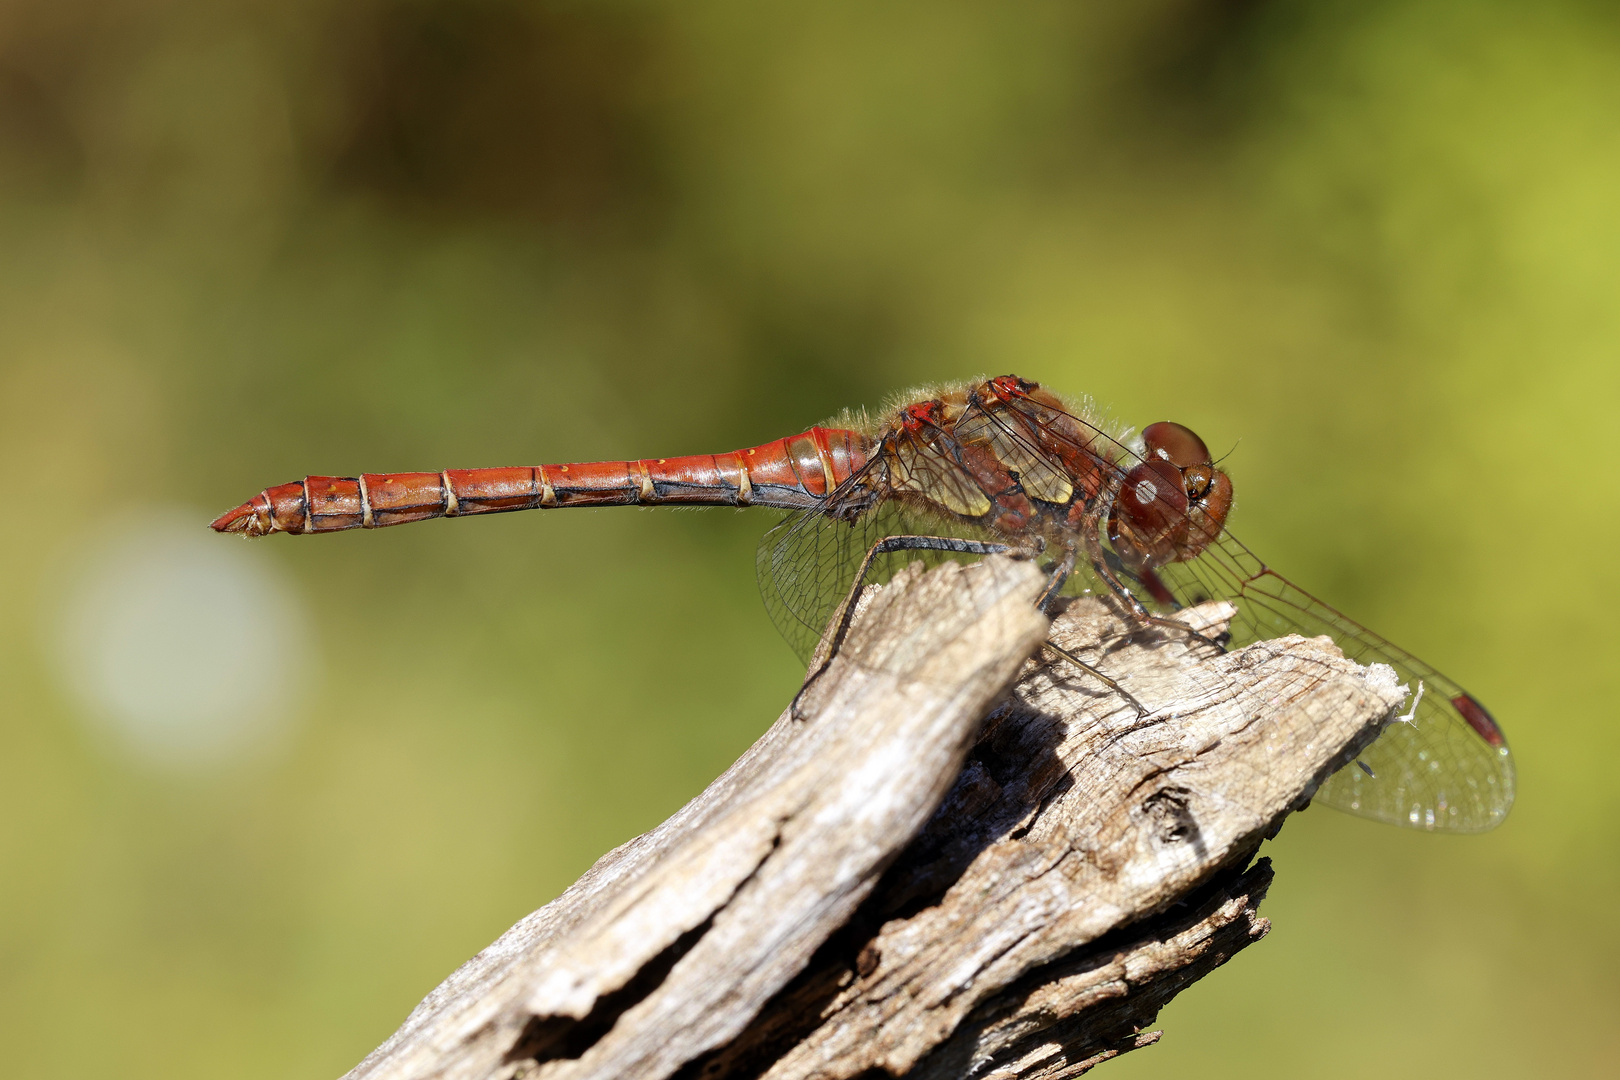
x: 889, y: 881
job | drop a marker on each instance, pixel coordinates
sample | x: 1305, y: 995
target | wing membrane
x: 1440, y: 768
x: 924, y: 471
x: 1038, y: 474
x: 1444, y: 766
x: 807, y: 562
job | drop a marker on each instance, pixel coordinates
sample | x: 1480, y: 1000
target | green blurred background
x: 1373, y: 246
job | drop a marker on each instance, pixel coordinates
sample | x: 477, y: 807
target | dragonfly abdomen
x: 792, y: 473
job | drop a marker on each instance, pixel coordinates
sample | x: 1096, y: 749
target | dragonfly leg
x: 1141, y: 710
x: 888, y: 545
x: 1060, y: 574
x: 1106, y: 574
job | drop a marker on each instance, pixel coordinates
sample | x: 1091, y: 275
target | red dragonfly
x: 998, y: 465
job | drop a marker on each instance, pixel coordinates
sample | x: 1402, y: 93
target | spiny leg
x: 1141, y: 710
x: 829, y: 646
x: 1058, y: 576
x: 887, y: 546
x: 1106, y: 574
x: 1054, y: 585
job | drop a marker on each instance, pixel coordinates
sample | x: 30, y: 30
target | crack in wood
x: 890, y: 885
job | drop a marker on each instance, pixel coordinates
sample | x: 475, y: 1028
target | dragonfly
x: 987, y: 466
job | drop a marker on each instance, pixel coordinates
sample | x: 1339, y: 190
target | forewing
x: 1444, y: 765
x: 1038, y: 474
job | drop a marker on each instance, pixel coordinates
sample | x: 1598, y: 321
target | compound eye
x: 1153, y: 499
x: 1178, y: 445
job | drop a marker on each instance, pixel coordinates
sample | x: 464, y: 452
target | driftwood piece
x: 886, y: 881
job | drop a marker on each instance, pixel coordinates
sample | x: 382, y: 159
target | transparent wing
x: 1038, y: 474
x: 808, y: 561
x: 1445, y: 766
x: 914, y: 486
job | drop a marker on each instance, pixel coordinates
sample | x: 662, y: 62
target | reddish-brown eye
x: 1178, y: 445
x: 1153, y: 494
x: 1149, y: 521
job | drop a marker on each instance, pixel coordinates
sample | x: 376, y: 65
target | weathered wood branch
x: 887, y: 880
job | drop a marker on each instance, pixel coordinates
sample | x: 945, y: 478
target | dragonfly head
x: 1173, y: 503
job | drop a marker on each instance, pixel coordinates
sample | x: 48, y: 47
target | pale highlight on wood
x: 887, y: 880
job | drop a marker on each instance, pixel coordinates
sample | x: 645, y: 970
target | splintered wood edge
x: 1057, y: 1016
x: 1124, y: 816
x: 671, y: 943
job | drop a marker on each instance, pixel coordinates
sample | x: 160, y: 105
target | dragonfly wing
x: 914, y: 485
x: 1037, y: 473
x: 924, y: 471
x: 808, y: 561
x: 804, y: 564
x: 1443, y: 765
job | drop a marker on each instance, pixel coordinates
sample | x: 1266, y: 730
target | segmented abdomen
x: 792, y: 473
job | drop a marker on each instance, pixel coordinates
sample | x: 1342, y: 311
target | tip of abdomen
x: 244, y: 519
x: 277, y: 509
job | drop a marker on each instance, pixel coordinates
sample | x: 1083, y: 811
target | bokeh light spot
x: 175, y: 644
